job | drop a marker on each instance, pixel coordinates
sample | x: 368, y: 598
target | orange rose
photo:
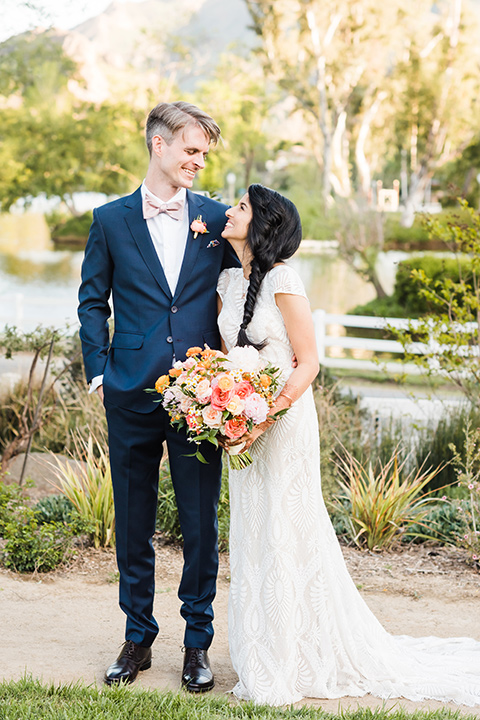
x: 193, y: 351
x: 162, y: 383
x: 175, y: 372
x: 235, y: 428
x: 265, y: 380
x: 225, y: 382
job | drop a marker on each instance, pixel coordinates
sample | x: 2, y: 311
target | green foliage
x: 410, y: 281
x: 445, y: 521
x: 88, y: 486
x: 27, y: 698
x: 31, y: 547
x: 55, y: 508
x: 167, y: 515
x: 467, y: 468
x: 65, y: 228
x: 380, y: 307
x: 340, y: 422
x: 381, y: 505
x: 35, y: 67
x: 239, y: 100
x: 10, y: 498
x: 58, y: 152
x: 450, y: 339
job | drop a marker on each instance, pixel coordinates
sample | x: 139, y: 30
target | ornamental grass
x: 381, y: 505
x: 87, y: 484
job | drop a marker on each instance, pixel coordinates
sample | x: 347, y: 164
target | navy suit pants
x: 135, y: 444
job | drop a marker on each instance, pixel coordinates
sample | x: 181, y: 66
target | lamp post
x: 231, y: 180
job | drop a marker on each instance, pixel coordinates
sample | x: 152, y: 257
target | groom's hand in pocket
x: 99, y: 392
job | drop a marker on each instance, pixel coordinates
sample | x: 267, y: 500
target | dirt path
x: 67, y: 626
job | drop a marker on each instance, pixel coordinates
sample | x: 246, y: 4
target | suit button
x: 174, y: 309
x: 170, y: 339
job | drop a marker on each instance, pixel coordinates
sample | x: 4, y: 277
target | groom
x: 162, y: 277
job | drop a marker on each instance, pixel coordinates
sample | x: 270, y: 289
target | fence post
x: 319, y: 318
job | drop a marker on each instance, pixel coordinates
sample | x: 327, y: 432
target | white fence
x: 26, y: 312
x: 330, y: 333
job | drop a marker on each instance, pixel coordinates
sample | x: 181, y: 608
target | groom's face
x: 179, y: 162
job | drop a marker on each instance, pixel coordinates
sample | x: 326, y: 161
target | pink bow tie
x: 152, y: 207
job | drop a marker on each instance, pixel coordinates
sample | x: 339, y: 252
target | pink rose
x: 220, y: 398
x: 235, y: 428
x: 203, y: 391
x: 243, y: 389
x: 256, y: 408
x: 189, y: 363
x: 212, y: 417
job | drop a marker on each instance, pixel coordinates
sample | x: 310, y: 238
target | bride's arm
x: 298, y: 321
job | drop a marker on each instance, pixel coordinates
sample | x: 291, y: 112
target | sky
x: 21, y: 15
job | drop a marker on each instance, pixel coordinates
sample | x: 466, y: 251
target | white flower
x: 256, y: 408
x: 245, y: 358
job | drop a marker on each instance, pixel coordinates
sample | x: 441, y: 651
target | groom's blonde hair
x: 167, y: 119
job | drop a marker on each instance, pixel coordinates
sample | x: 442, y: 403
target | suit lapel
x: 195, y: 203
x: 139, y: 231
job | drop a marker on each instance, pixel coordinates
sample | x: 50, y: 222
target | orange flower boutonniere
x: 198, y: 227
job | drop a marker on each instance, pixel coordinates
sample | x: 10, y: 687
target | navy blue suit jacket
x: 151, y: 326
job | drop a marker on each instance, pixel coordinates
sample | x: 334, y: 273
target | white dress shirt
x: 169, y: 238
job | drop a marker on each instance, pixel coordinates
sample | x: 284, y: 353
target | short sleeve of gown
x: 222, y: 284
x: 284, y: 279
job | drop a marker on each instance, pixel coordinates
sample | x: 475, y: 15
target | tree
x: 334, y: 58
x: 240, y: 103
x: 449, y: 341
x: 52, y: 143
x: 60, y: 153
x: 435, y: 116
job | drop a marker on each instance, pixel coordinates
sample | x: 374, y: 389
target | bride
x: 297, y: 625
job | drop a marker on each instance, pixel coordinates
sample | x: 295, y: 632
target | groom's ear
x: 157, y: 145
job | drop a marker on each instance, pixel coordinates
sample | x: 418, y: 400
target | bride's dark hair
x: 274, y: 234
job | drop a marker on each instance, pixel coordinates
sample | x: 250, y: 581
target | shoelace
x: 196, y: 657
x: 129, y: 649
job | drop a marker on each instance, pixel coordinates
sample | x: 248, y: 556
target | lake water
x: 39, y: 285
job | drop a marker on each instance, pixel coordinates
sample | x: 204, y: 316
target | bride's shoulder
x: 284, y: 279
x: 224, y: 279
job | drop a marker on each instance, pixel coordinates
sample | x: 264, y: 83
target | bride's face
x: 238, y: 220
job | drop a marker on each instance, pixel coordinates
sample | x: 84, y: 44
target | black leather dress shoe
x: 197, y: 674
x: 132, y: 658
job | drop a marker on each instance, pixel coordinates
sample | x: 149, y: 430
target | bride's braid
x: 274, y: 234
x: 256, y: 278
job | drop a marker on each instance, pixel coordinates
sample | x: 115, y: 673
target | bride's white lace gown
x: 298, y: 627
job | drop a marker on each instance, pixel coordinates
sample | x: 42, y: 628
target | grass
x: 28, y: 699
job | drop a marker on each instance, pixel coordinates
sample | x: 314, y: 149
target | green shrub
x: 382, y: 504
x: 67, y: 410
x: 72, y: 228
x: 406, y: 292
x: 445, y: 522
x: 89, y: 487
x: 54, y: 508
x: 31, y: 547
x: 10, y: 498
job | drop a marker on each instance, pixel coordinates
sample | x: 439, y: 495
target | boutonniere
x: 198, y: 226
x: 213, y: 243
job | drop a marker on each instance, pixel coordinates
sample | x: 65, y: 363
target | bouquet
x: 220, y: 397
